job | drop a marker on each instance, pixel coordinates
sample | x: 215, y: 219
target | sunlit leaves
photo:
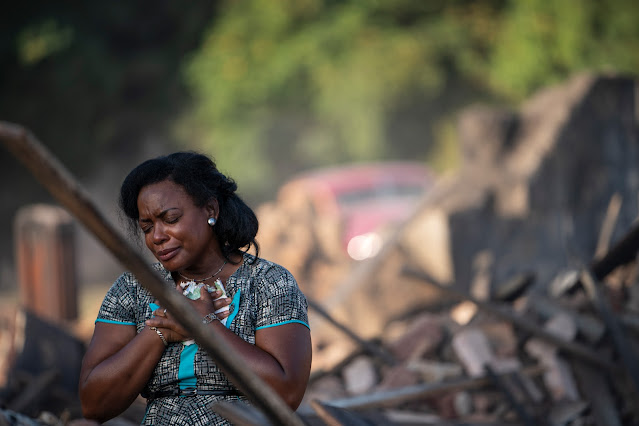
x: 36, y: 42
x: 313, y: 82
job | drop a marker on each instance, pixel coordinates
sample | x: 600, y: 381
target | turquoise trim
x: 186, y: 372
x: 282, y: 323
x: 114, y: 322
x: 146, y: 412
x: 236, y: 307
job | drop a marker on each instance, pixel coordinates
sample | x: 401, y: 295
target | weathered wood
x: 336, y: 416
x: 576, y: 349
x: 369, y: 347
x: 591, y: 327
x: 3, y: 420
x: 558, y: 377
x: 519, y: 408
x: 513, y: 288
x: 624, y: 251
x: 60, y: 183
x: 630, y: 322
x: 424, y: 419
x: 40, y: 346
x: 624, y: 349
x: 608, y: 225
x: 596, y: 389
x: 335, y: 369
x: 34, y: 391
x: 411, y: 393
x: 472, y: 348
x: 45, y: 256
x: 240, y: 414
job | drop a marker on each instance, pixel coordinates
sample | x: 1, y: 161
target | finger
x: 223, y: 314
x: 165, y: 324
x: 221, y: 303
x: 205, y: 295
x: 156, y: 321
x: 155, y: 308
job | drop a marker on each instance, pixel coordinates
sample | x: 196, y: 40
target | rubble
x: 489, y: 370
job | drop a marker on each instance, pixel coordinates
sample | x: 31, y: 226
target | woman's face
x: 175, y: 229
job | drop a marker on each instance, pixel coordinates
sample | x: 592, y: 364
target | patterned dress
x: 263, y: 295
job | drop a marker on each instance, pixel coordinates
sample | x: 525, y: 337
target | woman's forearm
x: 281, y: 357
x: 111, y: 385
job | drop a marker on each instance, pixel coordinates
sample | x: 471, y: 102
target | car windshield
x: 385, y: 191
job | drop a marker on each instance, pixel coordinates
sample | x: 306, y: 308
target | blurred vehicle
x: 353, y: 206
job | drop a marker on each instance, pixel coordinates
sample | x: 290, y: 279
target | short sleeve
x: 119, y: 304
x: 279, y: 299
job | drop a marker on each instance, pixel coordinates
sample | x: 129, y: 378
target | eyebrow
x: 160, y: 215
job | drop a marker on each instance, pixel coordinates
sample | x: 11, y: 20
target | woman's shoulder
x: 260, y: 266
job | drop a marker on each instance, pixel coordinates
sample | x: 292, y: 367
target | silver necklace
x: 204, y: 279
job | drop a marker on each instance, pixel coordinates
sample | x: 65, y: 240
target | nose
x: 158, y: 235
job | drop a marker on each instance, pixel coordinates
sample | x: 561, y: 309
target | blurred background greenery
x: 270, y: 88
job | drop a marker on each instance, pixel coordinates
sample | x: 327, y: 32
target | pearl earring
x: 211, y: 221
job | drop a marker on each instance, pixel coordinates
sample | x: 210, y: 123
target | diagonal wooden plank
x: 369, y: 347
x: 336, y: 416
x: 240, y: 413
x: 398, y: 396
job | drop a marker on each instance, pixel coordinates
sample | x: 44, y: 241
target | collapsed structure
x: 542, y: 194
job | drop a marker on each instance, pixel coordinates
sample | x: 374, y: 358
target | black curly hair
x: 236, y: 225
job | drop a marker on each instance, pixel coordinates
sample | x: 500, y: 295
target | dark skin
x: 119, y: 362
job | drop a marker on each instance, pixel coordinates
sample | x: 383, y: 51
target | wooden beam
x: 372, y: 349
x: 336, y: 416
x: 623, y: 252
x: 395, y: 397
x: 240, y: 413
x: 34, y: 391
x: 624, y: 349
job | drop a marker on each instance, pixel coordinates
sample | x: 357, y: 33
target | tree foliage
x: 285, y: 85
x: 97, y: 82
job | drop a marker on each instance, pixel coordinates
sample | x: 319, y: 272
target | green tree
x: 98, y: 82
x: 284, y: 85
x: 541, y: 43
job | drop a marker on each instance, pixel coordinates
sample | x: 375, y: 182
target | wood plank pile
x: 537, y: 358
x: 491, y: 283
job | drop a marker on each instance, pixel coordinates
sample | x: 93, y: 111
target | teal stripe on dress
x: 114, y: 322
x: 282, y: 323
x: 236, y: 307
x: 186, y: 372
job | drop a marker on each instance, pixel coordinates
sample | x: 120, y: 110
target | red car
x: 359, y: 200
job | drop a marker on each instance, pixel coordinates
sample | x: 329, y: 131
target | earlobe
x: 212, y: 208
